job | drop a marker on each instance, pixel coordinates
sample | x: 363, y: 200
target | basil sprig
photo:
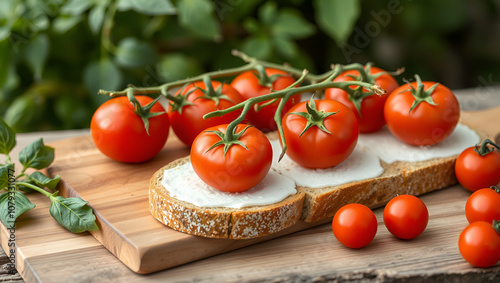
x: 72, y: 213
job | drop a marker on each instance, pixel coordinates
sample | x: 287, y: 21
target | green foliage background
x: 56, y: 54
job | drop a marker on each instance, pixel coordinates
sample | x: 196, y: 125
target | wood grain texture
x: 48, y: 253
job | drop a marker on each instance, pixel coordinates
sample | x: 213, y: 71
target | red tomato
x: 426, y: 124
x: 119, y: 133
x: 406, y: 216
x: 247, y: 83
x: 316, y: 148
x: 187, y: 122
x: 479, y: 244
x: 237, y: 170
x: 372, y: 107
x: 475, y: 171
x: 354, y: 225
x: 483, y: 205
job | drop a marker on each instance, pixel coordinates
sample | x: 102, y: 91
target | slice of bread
x: 309, y: 205
x: 220, y: 222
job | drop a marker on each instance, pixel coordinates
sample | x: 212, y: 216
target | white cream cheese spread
x: 364, y: 163
x: 389, y: 149
x: 358, y: 166
x: 183, y: 184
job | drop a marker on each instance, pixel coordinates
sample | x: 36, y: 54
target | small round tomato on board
x: 231, y: 161
x: 406, y: 216
x: 483, y: 205
x: 421, y: 113
x: 479, y: 243
x: 120, y: 133
x: 478, y: 167
x: 368, y: 108
x: 354, y: 225
x: 260, y: 82
x: 320, y: 133
x: 197, y: 99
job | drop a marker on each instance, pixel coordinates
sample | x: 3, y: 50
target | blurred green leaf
x: 36, y: 53
x: 76, y: 7
x: 96, y: 17
x: 177, y: 66
x: 198, y: 17
x: 285, y: 47
x: 10, y: 12
x: 22, y: 113
x: 337, y: 17
x: 132, y: 53
x: 62, y: 23
x: 259, y: 47
x: 289, y: 23
x: 5, y: 61
x: 149, y: 7
x: 72, y: 112
x: 268, y: 13
x: 7, y: 138
x: 102, y: 74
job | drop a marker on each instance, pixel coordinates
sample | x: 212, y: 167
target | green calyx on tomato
x: 420, y: 94
x: 211, y: 93
x: 264, y: 79
x: 496, y: 225
x: 357, y: 94
x: 181, y: 100
x: 484, y: 148
x: 314, y: 117
x: 143, y: 111
x: 496, y: 189
x: 228, y: 139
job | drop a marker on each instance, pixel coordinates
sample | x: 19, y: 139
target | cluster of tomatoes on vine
x: 232, y: 156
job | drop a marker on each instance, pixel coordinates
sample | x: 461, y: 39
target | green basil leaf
x: 6, y: 173
x: 7, y: 137
x: 132, y: 53
x: 43, y: 181
x: 268, y: 13
x: 36, y: 53
x: 13, y: 204
x: 150, y: 7
x: 337, y: 17
x: 198, y: 17
x: 36, y: 155
x: 73, y: 213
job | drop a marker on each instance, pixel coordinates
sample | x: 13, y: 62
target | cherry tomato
x: 187, y: 121
x: 354, y: 225
x: 119, y: 133
x: 372, y: 107
x: 238, y: 169
x: 475, y: 171
x: 317, y: 148
x: 406, y: 216
x: 479, y: 244
x: 425, y: 124
x: 483, y: 205
x: 248, y: 84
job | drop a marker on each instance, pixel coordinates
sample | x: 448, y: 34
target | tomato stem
x: 495, y: 188
x: 496, y: 225
x: 485, y: 149
x: 420, y: 94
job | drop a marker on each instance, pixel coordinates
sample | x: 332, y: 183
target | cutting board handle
x: 487, y: 122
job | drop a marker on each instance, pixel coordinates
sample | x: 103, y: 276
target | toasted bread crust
x: 243, y: 223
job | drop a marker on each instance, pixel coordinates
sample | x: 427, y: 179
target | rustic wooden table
x: 111, y: 269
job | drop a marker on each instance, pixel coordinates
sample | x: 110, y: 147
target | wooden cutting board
x: 118, y: 193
